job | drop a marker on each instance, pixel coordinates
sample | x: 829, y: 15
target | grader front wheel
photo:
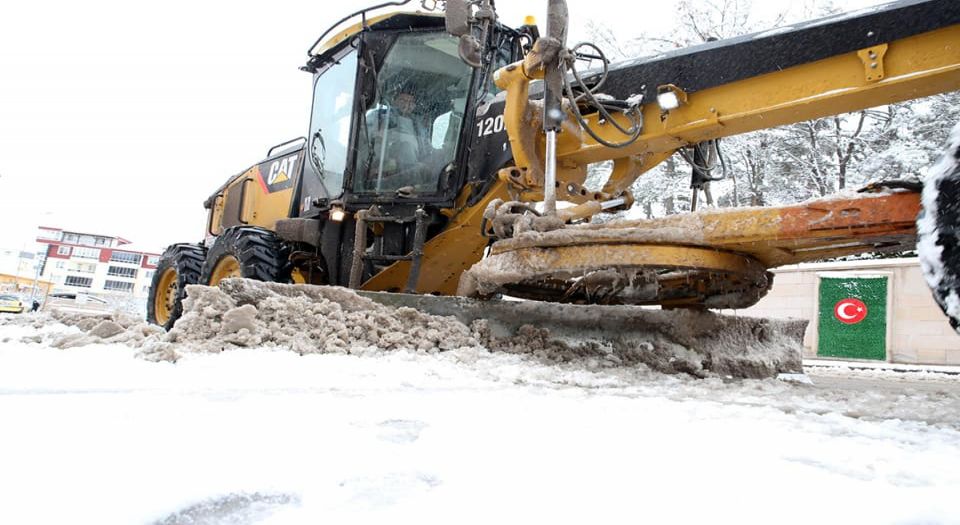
x: 179, y: 266
x: 252, y: 253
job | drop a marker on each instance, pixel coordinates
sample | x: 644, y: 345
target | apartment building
x: 18, y: 262
x: 95, y: 264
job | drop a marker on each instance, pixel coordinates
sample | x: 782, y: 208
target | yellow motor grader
x: 441, y: 142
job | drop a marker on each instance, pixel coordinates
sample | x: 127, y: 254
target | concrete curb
x: 893, y: 367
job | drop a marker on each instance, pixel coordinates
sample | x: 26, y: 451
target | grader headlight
x: 337, y: 213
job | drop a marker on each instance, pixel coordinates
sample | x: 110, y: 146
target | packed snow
x: 95, y: 434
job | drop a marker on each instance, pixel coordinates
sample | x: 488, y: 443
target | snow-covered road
x: 94, y: 435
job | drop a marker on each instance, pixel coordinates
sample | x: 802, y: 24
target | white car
x: 11, y: 303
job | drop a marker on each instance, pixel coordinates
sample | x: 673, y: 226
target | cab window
x: 329, y: 137
x: 409, y: 131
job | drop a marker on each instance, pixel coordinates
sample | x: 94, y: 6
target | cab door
x: 328, y: 142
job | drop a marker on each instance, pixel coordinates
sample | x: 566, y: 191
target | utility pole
x: 37, y: 266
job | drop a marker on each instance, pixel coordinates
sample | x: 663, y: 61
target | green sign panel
x: 853, y: 317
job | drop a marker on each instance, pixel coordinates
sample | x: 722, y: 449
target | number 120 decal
x: 489, y: 126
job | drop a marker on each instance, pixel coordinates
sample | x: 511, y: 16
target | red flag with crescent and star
x: 850, y: 310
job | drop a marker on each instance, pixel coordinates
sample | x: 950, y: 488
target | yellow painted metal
x: 872, y: 58
x: 259, y: 207
x: 228, y: 266
x: 265, y: 209
x: 913, y: 67
x: 297, y: 276
x: 215, y: 216
x: 627, y: 169
x: 165, y: 298
x: 517, y: 115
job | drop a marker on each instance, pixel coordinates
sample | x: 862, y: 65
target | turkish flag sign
x: 852, y: 317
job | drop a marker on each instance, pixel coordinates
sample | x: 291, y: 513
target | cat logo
x: 278, y: 174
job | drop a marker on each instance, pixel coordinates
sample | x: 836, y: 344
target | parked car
x: 11, y: 303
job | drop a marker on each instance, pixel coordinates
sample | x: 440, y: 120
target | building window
x: 119, y: 271
x: 82, y: 282
x: 153, y: 260
x: 125, y: 257
x: 118, y: 286
x: 61, y: 264
x: 50, y: 235
x: 83, y: 267
x: 86, y: 253
x: 71, y: 237
x: 148, y: 275
x: 63, y: 250
x: 100, y: 241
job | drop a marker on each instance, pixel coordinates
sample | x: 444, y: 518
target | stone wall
x: 918, y: 332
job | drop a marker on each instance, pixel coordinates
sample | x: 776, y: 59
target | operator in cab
x: 397, y: 138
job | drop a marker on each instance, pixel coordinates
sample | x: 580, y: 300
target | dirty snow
x: 94, y: 434
x: 242, y: 313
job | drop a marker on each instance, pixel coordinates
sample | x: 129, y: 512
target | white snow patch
x: 802, y: 379
x: 94, y: 435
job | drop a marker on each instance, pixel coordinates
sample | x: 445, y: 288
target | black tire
x: 184, y: 259
x: 260, y: 253
x: 938, y: 231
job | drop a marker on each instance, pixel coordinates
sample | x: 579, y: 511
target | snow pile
x: 308, y: 319
x: 938, y: 242
x: 114, y: 327
x: 84, y: 329
x: 314, y: 320
x: 321, y: 319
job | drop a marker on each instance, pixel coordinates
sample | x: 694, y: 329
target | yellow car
x: 10, y: 303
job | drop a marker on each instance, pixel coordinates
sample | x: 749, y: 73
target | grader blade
x: 715, y: 258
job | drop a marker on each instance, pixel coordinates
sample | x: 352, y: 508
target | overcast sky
x: 122, y: 117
